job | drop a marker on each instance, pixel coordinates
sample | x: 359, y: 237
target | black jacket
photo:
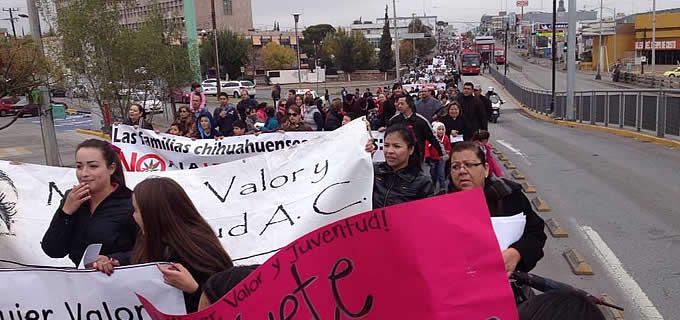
x: 487, y: 107
x: 390, y: 187
x: 505, y: 198
x: 474, y: 112
x: 333, y: 120
x: 421, y: 128
x: 459, y: 124
x: 225, y: 124
x: 141, y: 123
x: 111, y: 224
x: 389, y: 110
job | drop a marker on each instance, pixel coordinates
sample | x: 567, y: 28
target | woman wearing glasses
x: 294, y: 121
x: 469, y: 170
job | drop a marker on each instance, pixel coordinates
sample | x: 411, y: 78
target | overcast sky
x: 343, y: 12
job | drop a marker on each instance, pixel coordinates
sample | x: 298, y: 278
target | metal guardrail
x: 652, y: 110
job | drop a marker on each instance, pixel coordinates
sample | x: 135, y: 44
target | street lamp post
x: 653, y: 36
x: 598, y: 76
x: 296, y: 16
x: 396, y: 36
x: 217, y: 51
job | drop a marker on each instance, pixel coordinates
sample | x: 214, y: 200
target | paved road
x: 622, y: 190
x: 537, y: 72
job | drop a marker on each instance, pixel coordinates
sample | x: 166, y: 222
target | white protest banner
x: 59, y: 294
x: 255, y: 205
x: 145, y: 150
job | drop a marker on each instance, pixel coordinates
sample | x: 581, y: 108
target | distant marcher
x: 474, y: 111
x: 196, y: 90
x: 137, y: 117
x: 204, y: 129
x: 240, y: 128
x: 187, y: 122
x: 245, y: 102
x: 272, y: 124
x: 438, y: 162
x: 312, y: 115
x: 334, y: 116
x: 174, y: 129
x: 482, y: 139
x: 225, y: 115
x: 427, y: 106
x: 295, y: 122
x: 276, y: 93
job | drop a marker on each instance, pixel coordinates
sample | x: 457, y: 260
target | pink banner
x: 431, y: 259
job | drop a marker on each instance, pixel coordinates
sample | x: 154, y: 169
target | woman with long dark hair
x: 187, y: 122
x: 399, y: 179
x: 173, y: 230
x: 137, y: 117
x: 96, y: 210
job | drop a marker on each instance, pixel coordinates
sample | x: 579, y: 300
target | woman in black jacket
x: 469, y: 170
x: 399, y: 179
x: 454, y: 122
x: 137, y: 117
x: 174, y: 231
x: 97, y: 210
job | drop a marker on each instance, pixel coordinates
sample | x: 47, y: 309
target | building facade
x: 235, y: 15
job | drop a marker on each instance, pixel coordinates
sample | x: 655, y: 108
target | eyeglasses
x: 292, y: 114
x: 467, y: 165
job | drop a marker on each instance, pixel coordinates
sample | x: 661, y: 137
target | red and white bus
x: 470, y: 62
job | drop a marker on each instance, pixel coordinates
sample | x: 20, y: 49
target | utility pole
x: 598, y: 76
x: 505, y: 69
x: 11, y: 18
x: 396, y: 36
x: 49, y: 136
x: 296, y: 16
x: 217, y: 51
x: 553, y: 55
x: 653, y: 37
x: 571, y: 60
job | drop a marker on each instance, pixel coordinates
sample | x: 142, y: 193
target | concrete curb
x: 578, y: 264
x: 94, y: 133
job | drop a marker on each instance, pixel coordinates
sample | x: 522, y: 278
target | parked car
x: 181, y: 95
x: 150, y: 102
x: 233, y: 88
x: 58, y: 92
x: 209, y: 89
x: 675, y: 72
x: 6, y: 105
x: 24, y: 107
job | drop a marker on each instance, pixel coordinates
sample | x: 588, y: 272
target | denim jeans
x: 437, y: 172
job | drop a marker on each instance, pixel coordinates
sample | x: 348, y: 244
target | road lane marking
x: 510, y: 147
x: 629, y: 286
x: 515, y: 151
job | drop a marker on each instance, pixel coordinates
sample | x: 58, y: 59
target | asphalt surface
x: 626, y: 190
x: 536, y: 73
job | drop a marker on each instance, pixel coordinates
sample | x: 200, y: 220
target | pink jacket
x: 494, y: 168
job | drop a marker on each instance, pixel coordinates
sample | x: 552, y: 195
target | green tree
x: 276, y: 56
x: 386, y: 54
x: 424, y: 46
x: 312, y: 40
x: 406, y: 53
x: 234, y: 51
x: 113, y: 61
x: 352, y: 51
